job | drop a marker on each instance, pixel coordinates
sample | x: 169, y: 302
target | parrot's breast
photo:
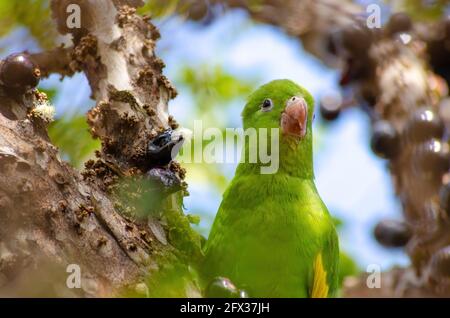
x: 267, y: 235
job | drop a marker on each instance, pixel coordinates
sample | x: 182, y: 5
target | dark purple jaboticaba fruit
x: 356, y: 38
x: 423, y: 125
x: 330, y: 107
x: 385, y: 140
x: 432, y: 156
x: 392, y: 233
x: 399, y: 22
x: 17, y: 71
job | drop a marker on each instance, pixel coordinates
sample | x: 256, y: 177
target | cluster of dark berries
x: 396, y: 233
x: 18, y: 73
x: 423, y: 137
x: 424, y: 132
x: 351, y: 44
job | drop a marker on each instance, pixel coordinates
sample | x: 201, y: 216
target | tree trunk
x: 51, y: 214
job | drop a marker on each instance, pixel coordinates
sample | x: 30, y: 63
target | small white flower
x: 44, y: 110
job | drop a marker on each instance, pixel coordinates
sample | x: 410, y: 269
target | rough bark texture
x: 53, y: 215
x: 54, y: 61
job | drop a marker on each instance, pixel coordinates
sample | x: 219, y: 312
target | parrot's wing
x: 331, y: 261
x: 325, y: 267
x: 320, y: 286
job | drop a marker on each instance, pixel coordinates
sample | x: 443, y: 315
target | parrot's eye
x: 267, y: 105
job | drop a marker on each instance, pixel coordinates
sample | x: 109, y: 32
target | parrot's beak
x: 294, y: 117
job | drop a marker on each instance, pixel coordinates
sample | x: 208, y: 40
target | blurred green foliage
x: 34, y: 15
x: 174, y: 280
x: 50, y: 92
x: 71, y: 135
x: 159, y: 9
x: 212, y: 85
x: 213, y: 92
x: 347, y: 267
x: 421, y: 10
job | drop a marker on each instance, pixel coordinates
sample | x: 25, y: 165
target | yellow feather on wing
x: 320, y: 286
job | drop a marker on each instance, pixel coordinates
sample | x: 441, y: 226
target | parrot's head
x: 289, y: 107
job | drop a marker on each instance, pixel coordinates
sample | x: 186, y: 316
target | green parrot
x: 273, y: 236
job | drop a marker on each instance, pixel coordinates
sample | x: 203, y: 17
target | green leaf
x: 50, y: 92
x: 212, y: 85
x: 347, y: 267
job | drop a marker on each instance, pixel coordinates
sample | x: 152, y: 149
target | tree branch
x: 54, y: 216
x: 57, y: 60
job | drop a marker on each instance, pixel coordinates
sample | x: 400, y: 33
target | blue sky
x: 353, y: 183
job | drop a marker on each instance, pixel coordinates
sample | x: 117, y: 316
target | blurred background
x: 215, y: 63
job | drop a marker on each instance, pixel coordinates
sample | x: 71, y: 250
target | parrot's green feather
x: 270, y: 228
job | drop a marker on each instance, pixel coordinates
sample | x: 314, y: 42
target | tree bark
x: 51, y: 214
